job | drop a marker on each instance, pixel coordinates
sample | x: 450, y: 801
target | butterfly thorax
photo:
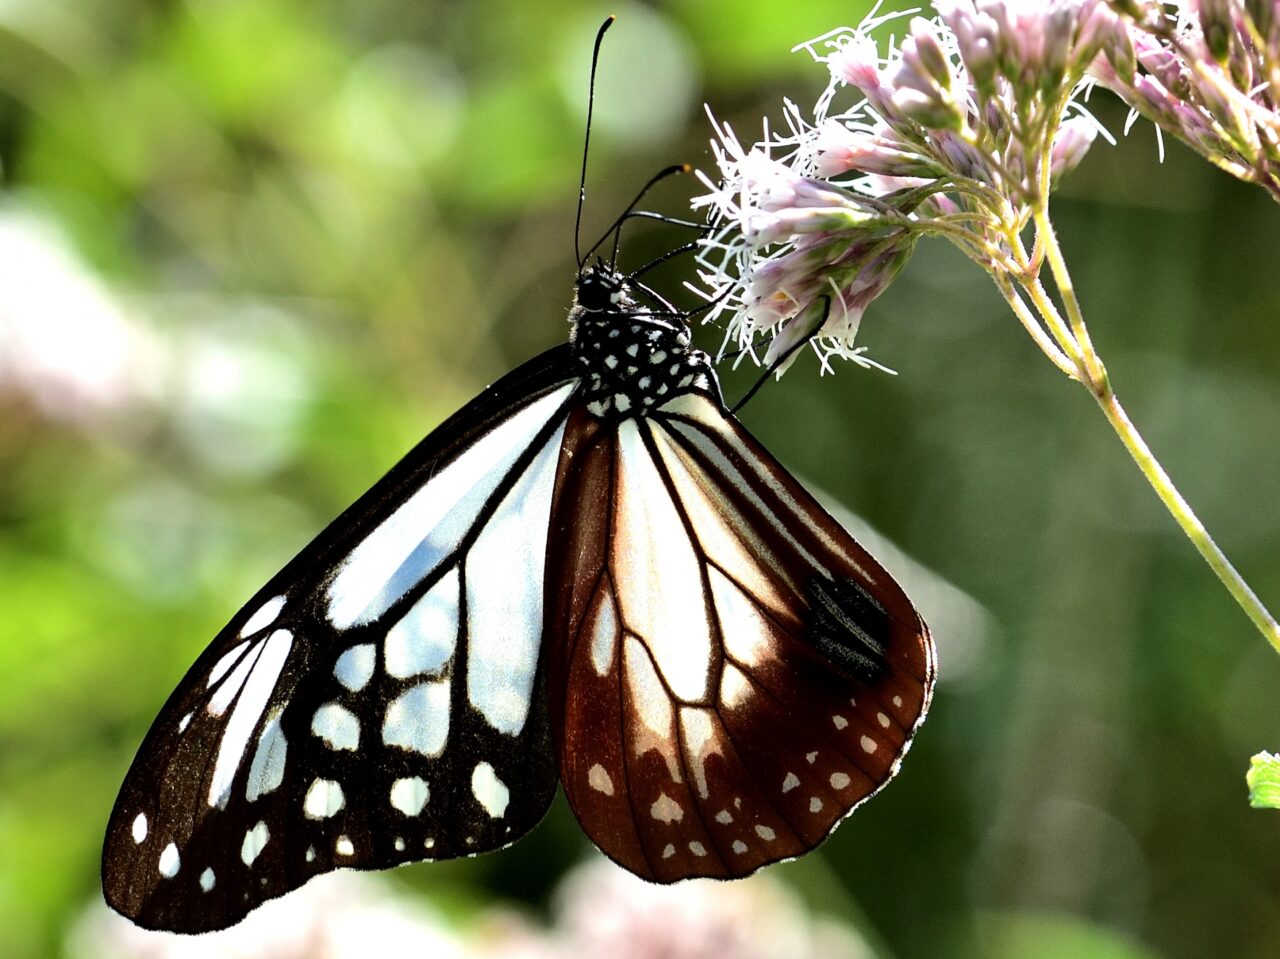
x: 634, y: 357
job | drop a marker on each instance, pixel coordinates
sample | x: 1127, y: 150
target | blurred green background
x: 252, y: 250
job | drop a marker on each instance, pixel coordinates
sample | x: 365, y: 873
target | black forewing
x: 226, y: 803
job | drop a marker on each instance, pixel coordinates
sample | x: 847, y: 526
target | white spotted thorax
x: 633, y: 358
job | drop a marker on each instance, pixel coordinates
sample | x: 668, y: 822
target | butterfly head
x: 600, y: 288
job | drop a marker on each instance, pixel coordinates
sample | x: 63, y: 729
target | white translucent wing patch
x: 701, y: 409
x: 654, y: 548
x: 409, y: 544
x: 722, y: 532
x: 504, y: 571
x: 424, y: 640
x: 265, y: 662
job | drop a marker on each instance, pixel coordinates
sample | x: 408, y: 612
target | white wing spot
x: 666, y: 810
x: 323, y: 799
x: 815, y: 804
x: 739, y: 846
x: 490, y: 791
x: 839, y: 780
x: 598, y: 778
x: 311, y: 854
x: 883, y: 720
x: 811, y: 758
x: 354, y: 667
x: 700, y: 743
x: 266, y: 772
x: 409, y: 795
x: 264, y: 617
x: 604, y: 635
x: 428, y: 843
x: 399, y: 844
x: 840, y: 721
x: 344, y: 846
x: 723, y: 817
x: 184, y: 722
x: 897, y: 701
x: 424, y: 640
x: 337, y: 726
x: 868, y: 744
x: 790, y: 783
x: 765, y: 833
x: 140, y: 828
x: 669, y: 851
x: 853, y: 702
x: 254, y: 842
x: 622, y: 402
x: 253, y: 699
x: 207, y: 880
x: 170, y: 861
x: 418, y: 719
x: 697, y: 848
x: 227, y: 660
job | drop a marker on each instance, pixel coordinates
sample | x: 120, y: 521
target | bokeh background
x: 252, y: 250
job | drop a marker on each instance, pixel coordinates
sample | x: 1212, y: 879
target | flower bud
x: 1216, y: 25
x: 930, y: 109
x: 976, y: 39
x: 838, y: 150
x: 924, y: 52
x: 1070, y: 144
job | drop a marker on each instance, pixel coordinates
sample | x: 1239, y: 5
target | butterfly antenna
x: 628, y: 212
x: 776, y: 364
x: 683, y: 248
x: 586, y: 145
x: 616, y: 228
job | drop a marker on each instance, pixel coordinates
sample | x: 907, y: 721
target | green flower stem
x: 1093, y: 375
x: 1047, y: 240
x: 1032, y: 326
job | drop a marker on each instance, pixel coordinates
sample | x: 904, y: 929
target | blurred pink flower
x: 599, y: 910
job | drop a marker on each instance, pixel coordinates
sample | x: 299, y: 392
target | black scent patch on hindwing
x: 849, y: 626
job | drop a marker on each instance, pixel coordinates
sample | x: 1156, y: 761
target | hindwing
x: 730, y: 673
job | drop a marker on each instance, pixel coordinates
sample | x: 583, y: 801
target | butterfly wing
x: 379, y: 700
x: 730, y: 673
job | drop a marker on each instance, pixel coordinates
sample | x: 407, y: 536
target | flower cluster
x: 960, y: 130
x: 1207, y: 72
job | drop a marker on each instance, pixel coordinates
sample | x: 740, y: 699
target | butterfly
x: 592, y: 575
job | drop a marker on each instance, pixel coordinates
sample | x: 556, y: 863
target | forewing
x: 730, y: 672
x: 379, y: 701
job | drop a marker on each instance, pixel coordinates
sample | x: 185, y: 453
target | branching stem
x: 1069, y: 346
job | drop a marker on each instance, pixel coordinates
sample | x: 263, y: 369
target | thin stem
x: 1028, y: 321
x: 1047, y: 240
x: 1187, y: 518
x: 1053, y: 319
x: 1093, y: 375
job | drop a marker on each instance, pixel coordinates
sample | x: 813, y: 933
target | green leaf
x: 1263, y: 778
